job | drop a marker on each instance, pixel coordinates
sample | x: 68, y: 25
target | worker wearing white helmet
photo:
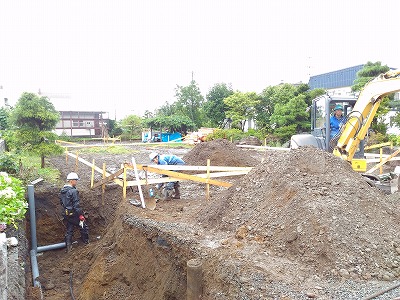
x: 72, y: 212
x: 168, y: 159
x: 153, y: 155
x: 72, y: 176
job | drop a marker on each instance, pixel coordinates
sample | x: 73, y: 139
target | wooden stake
x: 207, y: 184
x: 138, y: 181
x: 76, y: 162
x: 103, y: 186
x: 124, y: 185
x: 92, y: 178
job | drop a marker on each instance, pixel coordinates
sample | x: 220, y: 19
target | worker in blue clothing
x: 336, y: 120
x: 168, y: 159
x: 72, y: 211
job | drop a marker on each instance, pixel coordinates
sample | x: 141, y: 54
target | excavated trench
x: 290, y: 229
x: 130, y: 256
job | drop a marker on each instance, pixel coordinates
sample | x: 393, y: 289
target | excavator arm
x: 358, y: 122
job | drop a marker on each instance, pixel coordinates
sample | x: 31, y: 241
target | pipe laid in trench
x: 51, y: 247
x: 31, y: 199
x: 194, y: 288
x: 35, y: 269
x: 35, y: 248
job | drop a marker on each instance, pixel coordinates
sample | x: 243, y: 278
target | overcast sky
x: 127, y: 56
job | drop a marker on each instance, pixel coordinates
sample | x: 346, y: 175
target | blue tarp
x: 168, y: 137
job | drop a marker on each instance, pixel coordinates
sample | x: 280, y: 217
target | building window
x: 77, y: 123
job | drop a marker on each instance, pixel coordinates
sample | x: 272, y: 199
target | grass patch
x: 170, y: 145
x: 106, y: 149
x: 31, y: 170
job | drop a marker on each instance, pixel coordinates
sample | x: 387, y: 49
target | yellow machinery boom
x: 356, y: 127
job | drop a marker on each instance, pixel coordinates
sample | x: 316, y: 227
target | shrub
x: 229, y: 134
x: 13, y: 205
x: 9, y: 163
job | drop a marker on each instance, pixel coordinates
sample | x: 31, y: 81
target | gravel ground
x: 300, y: 225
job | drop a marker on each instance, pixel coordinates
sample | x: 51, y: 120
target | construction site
x: 267, y: 224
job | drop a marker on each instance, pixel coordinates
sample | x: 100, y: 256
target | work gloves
x: 82, y: 219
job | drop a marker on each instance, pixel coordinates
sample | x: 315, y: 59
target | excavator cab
x: 321, y: 111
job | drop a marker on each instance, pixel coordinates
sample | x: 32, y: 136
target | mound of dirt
x: 310, y: 207
x: 221, y: 153
x: 250, y: 140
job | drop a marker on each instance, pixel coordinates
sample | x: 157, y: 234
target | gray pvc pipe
x: 35, y: 248
x: 194, y: 286
x: 51, y: 247
x: 31, y: 197
x: 35, y: 269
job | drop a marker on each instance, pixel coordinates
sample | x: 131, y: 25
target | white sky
x: 127, y: 56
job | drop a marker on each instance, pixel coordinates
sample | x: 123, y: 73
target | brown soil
x: 220, y: 153
x: 302, y: 224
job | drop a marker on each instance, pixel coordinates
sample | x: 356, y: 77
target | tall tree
x: 189, y: 102
x: 241, y: 107
x: 166, y: 109
x: 131, y: 126
x: 269, y: 98
x: 367, y: 73
x: 148, y: 114
x: 34, y: 119
x: 175, y: 123
x: 214, y: 108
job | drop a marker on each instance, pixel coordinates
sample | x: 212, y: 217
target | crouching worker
x: 167, y: 159
x: 72, y: 212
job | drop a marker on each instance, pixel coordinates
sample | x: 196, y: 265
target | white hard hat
x: 72, y: 176
x: 153, y: 155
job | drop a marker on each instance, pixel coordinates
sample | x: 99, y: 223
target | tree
x: 166, y: 110
x: 215, y: 108
x: 114, y: 128
x: 269, y: 98
x: 147, y: 114
x: 131, y: 126
x: 4, y: 117
x: 241, y: 107
x: 176, y: 123
x: 291, y: 118
x: 366, y: 74
x: 33, y: 119
x: 189, y: 102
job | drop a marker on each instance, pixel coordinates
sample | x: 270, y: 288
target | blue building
x: 335, y: 79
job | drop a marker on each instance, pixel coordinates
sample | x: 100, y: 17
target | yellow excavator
x: 359, y: 112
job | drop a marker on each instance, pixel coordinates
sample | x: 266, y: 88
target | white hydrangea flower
x: 5, y: 177
x: 7, y: 193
